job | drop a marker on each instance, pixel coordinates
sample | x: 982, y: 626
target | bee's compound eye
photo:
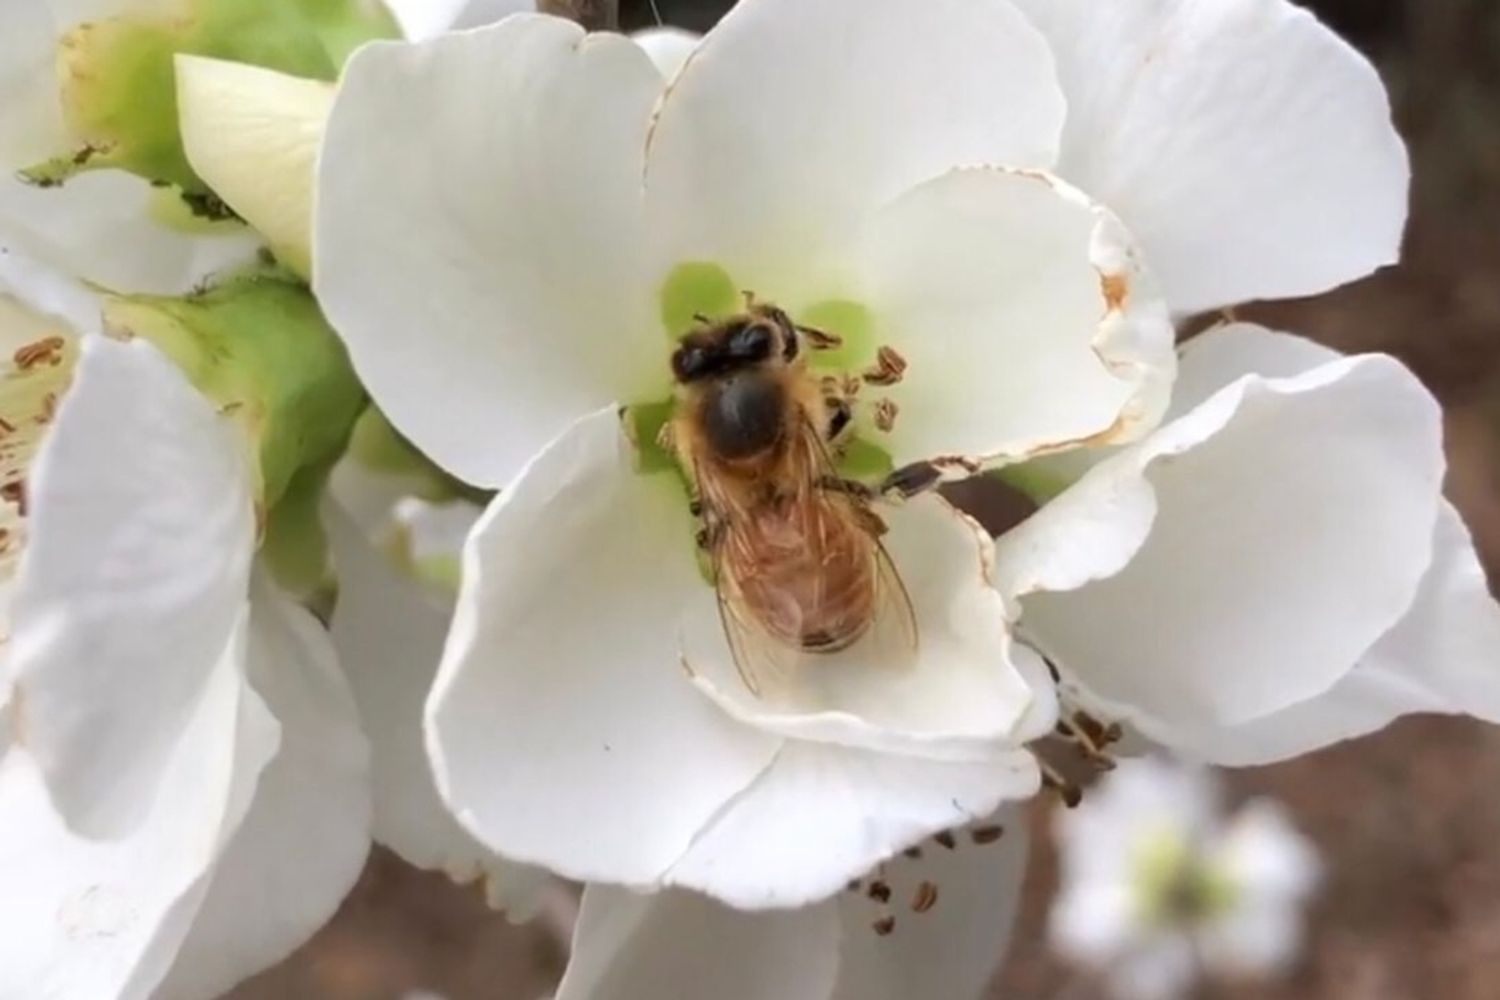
x: 752, y: 343
x: 690, y: 362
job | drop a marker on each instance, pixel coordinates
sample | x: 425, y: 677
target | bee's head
x: 762, y: 336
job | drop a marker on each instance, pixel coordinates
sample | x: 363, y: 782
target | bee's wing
x: 761, y: 660
x: 895, y: 620
x: 758, y: 657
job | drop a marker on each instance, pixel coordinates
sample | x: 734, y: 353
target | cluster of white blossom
x: 335, y: 509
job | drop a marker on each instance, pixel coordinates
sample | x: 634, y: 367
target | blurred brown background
x: 1409, y: 820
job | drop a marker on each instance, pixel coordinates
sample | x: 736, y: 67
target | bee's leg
x: 840, y: 415
x: 712, y: 530
x: 848, y: 487
x: 912, y: 480
x: 666, y: 440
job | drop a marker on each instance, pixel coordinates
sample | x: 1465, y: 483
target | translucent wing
x: 894, y: 621
x: 758, y: 656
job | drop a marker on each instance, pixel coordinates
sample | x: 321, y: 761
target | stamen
x: 888, y: 369
x: 986, y: 834
x: 946, y: 839
x: 1091, y: 750
x: 884, y: 925
x: 880, y: 891
x: 886, y: 412
x: 1070, y: 793
x: 915, y: 853
x: 925, y: 899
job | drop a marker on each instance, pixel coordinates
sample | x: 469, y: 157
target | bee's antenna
x: 656, y: 13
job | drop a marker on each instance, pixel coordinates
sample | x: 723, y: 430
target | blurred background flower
x: 1161, y: 886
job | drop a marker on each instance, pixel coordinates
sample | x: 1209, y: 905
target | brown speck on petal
x: 1116, y: 289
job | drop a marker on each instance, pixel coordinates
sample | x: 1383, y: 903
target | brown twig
x: 595, y: 15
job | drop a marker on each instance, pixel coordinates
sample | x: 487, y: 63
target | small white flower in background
x: 1159, y: 887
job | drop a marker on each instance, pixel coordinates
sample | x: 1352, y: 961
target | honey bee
x: 795, y: 549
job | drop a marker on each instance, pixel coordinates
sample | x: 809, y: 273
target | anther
x: 888, y: 368
x: 926, y: 898
x: 854, y: 885
x: 1070, y: 793
x: 915, y: 853
x: 1073, y: 728
x: 946, y: 839
x: 986, y: 834
x: 886, y: 412
x: 884, y: 926
x: 880, y: 891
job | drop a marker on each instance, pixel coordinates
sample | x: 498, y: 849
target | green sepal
x: 119, y: 93
x: 294, y: 544
x: 257, y: 345
x: 380, y: 448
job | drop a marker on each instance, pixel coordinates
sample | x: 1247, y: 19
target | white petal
x: 103, y: 226
x: 32, y: 128
x: 389, y: 633
x: 793, y: 121
x: 679, y: 944
x: 304, y: 840
x: 950, y: 951
x: 1438, y: 658
x: 822, y: 815
x: 1162, y: 967
x: 499, y: 273
x: 103, y: 919
x: 668, y: 48
x: 1253, y: 584
x: 59, y: 304
x: 252, y: 135
x: 137, y: 565
x: 1024, y: 316
x: 1248, y: 147
x: 957, y: 696
x: 562, y: 727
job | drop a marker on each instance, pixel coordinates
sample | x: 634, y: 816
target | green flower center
x: 696, y: 292
x: 1174, y: 885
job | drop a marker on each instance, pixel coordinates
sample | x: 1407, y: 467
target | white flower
x: 185, y: 778
x: 1273, y: 570
x: 1158, y: 888
x: 939, y: 934
x: 523, y: 275
x: 189, y: 716
x: 112, y: 226
x: 107, y: 226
